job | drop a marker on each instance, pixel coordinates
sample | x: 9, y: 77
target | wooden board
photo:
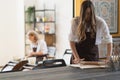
x: 81, y: 66
x: 90, y: 64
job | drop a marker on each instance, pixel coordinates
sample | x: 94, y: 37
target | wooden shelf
x: 47, y: 22
x: 41, y: 25
x: 45, y: 10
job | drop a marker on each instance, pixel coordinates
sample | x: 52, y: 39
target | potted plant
x: 30, y: 13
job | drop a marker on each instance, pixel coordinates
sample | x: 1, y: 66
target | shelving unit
x: 43, y: 22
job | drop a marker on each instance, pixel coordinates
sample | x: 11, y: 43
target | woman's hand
x: 76, y: 61
x: 107, y: 60
x: 31, y: 54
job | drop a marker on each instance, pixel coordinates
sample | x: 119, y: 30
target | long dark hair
x: 82, y: 23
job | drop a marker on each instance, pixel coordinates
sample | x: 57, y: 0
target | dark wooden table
x: 62, y: 73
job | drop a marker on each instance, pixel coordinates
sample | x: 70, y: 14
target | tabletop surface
x: 62, y: 73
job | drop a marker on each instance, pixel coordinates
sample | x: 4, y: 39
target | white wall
x: 11, y: 30
x: 64, y: 12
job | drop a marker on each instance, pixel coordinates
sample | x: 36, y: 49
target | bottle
x: 47, y: 28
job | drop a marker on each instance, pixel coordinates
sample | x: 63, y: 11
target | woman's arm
x: 36, y: 54
x: 73, y: 38
x: 109, y: 51
x: 107, y: 39
x: 43, y: 48
x: 75, y: 54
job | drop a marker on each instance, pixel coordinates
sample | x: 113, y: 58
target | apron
x: 87, y: 48
x: 36, y: 48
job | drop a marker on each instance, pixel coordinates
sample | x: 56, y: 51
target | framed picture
x: 107, y: 9
x: 76, y: 7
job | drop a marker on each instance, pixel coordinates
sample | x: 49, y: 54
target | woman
x: 38, y: 47
x: 87, y: 31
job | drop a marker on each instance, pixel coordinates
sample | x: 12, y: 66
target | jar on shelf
x: 44, y: 19
x: 47, y: 28
x: 37, y: 19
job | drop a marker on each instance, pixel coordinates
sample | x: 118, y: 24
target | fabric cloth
x: 102, y: 33
x: 87, y: 48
